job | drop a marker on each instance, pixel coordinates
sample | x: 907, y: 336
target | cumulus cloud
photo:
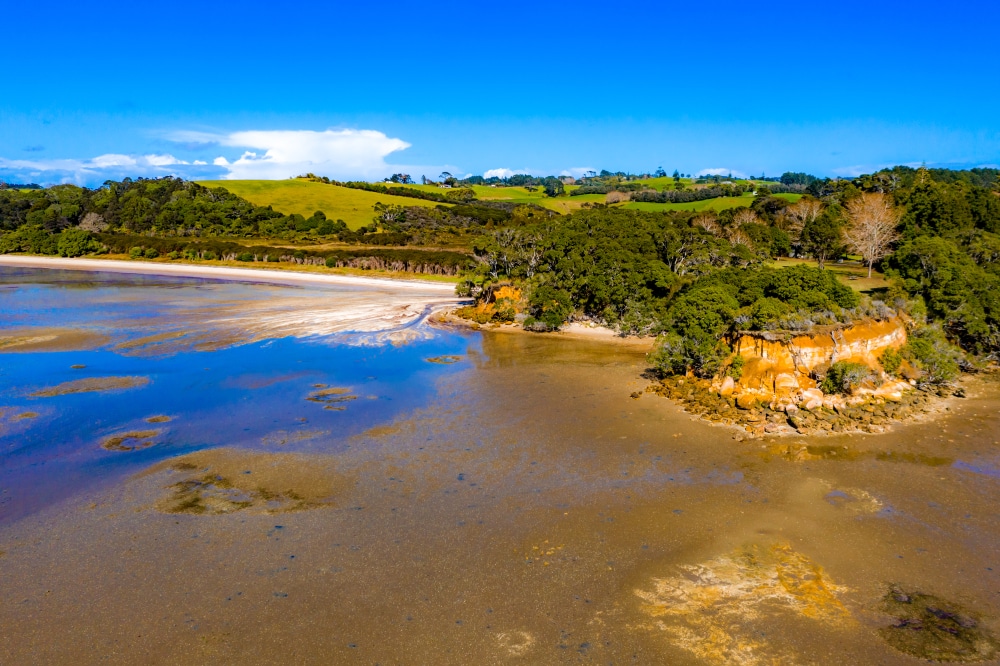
x: 257, y: 154
x: 98, y: 169
x: 721, y: 171
x: 278, y: 154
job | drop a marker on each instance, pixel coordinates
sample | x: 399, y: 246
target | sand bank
x: 275, y: 275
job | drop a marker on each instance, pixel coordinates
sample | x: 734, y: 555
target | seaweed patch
x: 222, y: 481
x: 931, y: 628
x: 130, y: 441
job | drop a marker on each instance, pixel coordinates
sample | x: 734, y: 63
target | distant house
x: 568, y: 180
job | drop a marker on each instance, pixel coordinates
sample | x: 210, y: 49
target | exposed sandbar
x: 275, y: 275
x: 92, y: 385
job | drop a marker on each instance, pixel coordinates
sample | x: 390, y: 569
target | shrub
x: 890, y: 360
x: 736, y: 367
x: 151, y: 253
x: 244, y: 256
x: 931, y: 353
x: 846, y: 377
x: 697, y: 351
x: 550, y: 305
x: 76, y: 242
x: 135, y: 253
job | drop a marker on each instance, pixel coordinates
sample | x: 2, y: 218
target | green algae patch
x: 444, y: 360
x: 928, y: 627
x: 92, y: 385
x: 130, y: 441
x: 223, y: 481
x: 332, y: 398
x: 161, y: 418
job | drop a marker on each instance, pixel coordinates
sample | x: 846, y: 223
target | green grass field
x: 355, y: 206
x: 718, y: 204
x: 306, y: 197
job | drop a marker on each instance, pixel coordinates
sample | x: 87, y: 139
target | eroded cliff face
x: 779, y: 368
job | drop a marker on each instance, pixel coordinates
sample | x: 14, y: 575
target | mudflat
x: 521, y: 507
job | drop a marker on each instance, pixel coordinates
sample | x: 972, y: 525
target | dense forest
x: 694, y: 279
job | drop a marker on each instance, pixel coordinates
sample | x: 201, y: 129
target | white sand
x: 220, y: 272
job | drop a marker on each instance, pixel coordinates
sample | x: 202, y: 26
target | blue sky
x: 99, y: 90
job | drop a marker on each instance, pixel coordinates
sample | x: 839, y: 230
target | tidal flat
x: 350, y: 496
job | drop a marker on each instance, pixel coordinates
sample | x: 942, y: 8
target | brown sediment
x: 138, y: 343
x: 220, y: 481
x: 332, y: 398
x: 130, y: 441
x: 702, y: 608
x: 92, y: 385
x: 50, y: 339
x: 934, y: 629
x: 810, y: 452
x: 162, y: 418
x: 444, y: 360
x: 26, y: 415
x: 282, y: 437
x: 77, y: 366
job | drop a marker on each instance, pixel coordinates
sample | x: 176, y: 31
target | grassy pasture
x: 720, y: 203
x: 306, y: 197
x: 851, y: 272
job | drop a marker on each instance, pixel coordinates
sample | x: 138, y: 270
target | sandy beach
x: 218, y: 272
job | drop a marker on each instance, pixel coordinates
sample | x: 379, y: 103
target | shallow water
x: 515, y: 506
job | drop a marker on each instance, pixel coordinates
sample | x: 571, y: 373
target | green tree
x: 822, y: 236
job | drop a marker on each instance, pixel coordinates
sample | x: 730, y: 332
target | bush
x: 151, y: 253
x: 75, y: 242
x: 846, y: 377
x: 736, y: 367
x: 698, y: 352
x: 890, y: 360
x: 550, y: 305
x: 245, y: 256
x: 932, y: 354
x: 135, y: 253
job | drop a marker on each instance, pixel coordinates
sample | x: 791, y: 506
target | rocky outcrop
x: 781, y: 369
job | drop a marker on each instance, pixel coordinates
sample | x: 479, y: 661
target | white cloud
x: 507, y: 173
x: 258, y: 154
x: 98, y: 169
x: 721, y: 171
x: 279, y: 154
x: 576, y: 172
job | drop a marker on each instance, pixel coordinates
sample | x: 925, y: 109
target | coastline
x: 572, y: 331
x: 179, y: 269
